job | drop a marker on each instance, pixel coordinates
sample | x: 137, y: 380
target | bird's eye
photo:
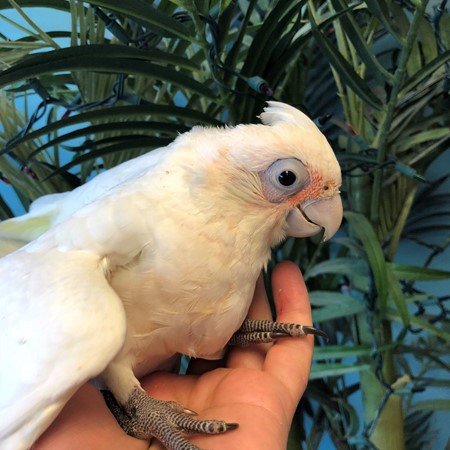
x: 285, y: 177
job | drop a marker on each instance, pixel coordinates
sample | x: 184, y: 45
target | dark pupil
x: 287, y: 178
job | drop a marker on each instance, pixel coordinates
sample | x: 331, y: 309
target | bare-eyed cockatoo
x: 156, y: 257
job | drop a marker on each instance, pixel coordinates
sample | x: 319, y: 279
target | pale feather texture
x: 173, y: 240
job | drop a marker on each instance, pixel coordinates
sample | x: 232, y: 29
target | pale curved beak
x: 310, y: 218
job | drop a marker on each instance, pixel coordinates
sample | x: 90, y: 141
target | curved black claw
x: 144, y: 417
x: 315, y: 332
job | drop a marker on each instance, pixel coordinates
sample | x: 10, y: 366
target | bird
x: 155, y: 258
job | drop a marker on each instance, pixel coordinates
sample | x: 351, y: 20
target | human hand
x: 258, y: 387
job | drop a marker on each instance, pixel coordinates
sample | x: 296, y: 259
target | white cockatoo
x: 156, y: 257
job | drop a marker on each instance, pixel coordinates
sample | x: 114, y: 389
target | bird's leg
x: 260, y: 331
x: 144, y: 417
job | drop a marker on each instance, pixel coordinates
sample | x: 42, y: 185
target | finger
x: 289, y: 360
x: 253, y: 356
x: 260, y: 308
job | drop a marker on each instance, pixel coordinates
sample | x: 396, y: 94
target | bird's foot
x: 263, y: 331
x: 144, y: 417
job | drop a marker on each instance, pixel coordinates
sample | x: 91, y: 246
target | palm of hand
x: 259, y: 388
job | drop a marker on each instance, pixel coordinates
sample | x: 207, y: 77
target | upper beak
x: 310, y: 218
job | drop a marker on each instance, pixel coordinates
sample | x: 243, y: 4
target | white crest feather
x: 280, y: 112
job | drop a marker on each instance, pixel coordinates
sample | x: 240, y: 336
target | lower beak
x: 310, y: 218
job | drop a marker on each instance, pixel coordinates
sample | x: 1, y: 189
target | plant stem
x: 400, y: 224
x: 381, y: 139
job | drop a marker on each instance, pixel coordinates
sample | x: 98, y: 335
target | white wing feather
x: 61, y: 325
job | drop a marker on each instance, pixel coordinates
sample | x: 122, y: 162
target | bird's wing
x: 60, y: 324
x: 54, y: 208
x: 16, y: 232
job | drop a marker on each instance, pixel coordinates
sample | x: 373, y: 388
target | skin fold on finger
x: 253, y: 356
x: 290, y: 359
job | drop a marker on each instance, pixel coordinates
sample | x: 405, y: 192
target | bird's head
x: 306, y: 180
x: 283, y: 168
